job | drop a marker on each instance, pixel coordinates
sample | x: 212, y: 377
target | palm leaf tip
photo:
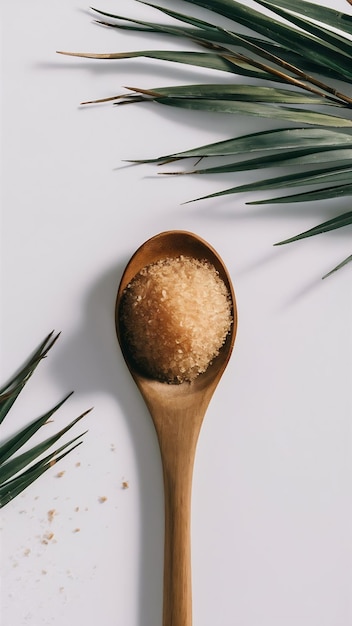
x: 19, y: 469
x: 342, y: 264
x: 336, y: 222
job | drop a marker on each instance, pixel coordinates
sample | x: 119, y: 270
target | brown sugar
x: 175, y: 315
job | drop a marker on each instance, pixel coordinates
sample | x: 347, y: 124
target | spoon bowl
x: 177, y: 411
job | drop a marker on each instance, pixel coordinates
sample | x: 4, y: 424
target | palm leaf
x: 197, y: 59
x: 206, y: 31
x: 12, y: 488
x: 180, y: 97
x: 339, y: 266
x: 233, y: 92
x: 341, y: 44
x: 9, y: 448
x: 323, y: 54
x: 10, y: 391
x: 257, y: 109
x: 284, y: 139
x: 206, y: 34
x: 317, y: 12
x: 325, y: 193
x: 322, y: 176
x: 17, y: 463
x: 202, y: 36
x: 308, y: 156
x: 293, y: 42
x: 17, y: 470
x: 337, y: 222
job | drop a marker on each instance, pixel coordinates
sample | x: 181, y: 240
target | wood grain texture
x: 177, y: 412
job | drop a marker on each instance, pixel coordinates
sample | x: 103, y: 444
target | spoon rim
x: 157, y: 243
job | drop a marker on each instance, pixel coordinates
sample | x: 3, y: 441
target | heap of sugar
x: 175, y: 315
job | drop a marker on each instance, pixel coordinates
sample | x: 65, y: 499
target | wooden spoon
x: 177, y: 411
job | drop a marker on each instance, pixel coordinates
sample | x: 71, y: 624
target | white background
x: 271, y: 509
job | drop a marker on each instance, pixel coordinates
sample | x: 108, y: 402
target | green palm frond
x: 19, y: 469
x: 299, y: 55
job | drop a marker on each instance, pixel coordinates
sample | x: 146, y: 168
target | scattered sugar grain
x: 51, y: 514
x: 47, y: 538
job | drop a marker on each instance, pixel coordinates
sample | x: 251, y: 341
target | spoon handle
x: 177, y: 413
x: 177, y: 609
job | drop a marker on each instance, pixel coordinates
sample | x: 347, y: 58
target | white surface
x: 271, y: 518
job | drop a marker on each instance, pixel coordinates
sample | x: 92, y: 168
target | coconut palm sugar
x: 175, y: 314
